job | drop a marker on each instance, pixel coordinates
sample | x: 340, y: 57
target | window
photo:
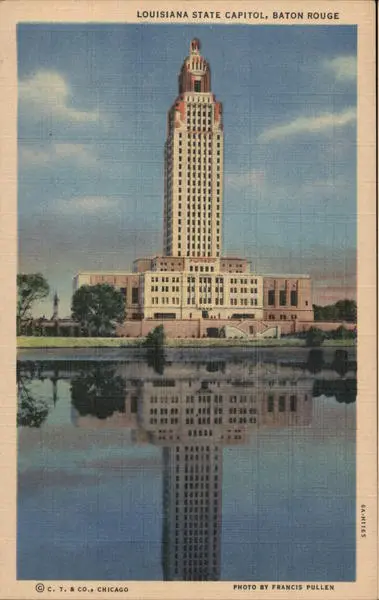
x: 282, y: 298
x: 135, y: 295
x: 197, y: 86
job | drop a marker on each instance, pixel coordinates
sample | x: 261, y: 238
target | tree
x: 98, y: 308
x: 343, y: 310
x: 30, y: 288
x: 31, y: 411
x: 315, y: 360
x: 341, y: 362
x: 325, y: 313
x: 347, y: 310
x: 99, y: 392
x: 344, y: 390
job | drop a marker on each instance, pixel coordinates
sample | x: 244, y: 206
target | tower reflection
x: 193, y: 419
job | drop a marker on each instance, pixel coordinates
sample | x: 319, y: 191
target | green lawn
x: 82, y: 342
x: 76, y: 342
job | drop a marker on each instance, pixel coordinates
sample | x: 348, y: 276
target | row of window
x: 282, y: 298
x: 199, y: 175
x: 163, y: 300
x: 200, y: 149
x: 201, y: 269
x: 199, y: 172
x: 181, y: 136
x: 165, y: 288
x: 197, y: 253
x: 234, y: 290
x: 218, y: 398
x: 243, y: 302
x: 193, y: 135
x: 164, y: 411
x: 197, y: 479
x: 200, y: 145
x: 198, y: 122
x: 282, y: 403
x: 193, y: 247
x: 165, y: 279
x: 203, y: 140
x: 196, y: 191
x: 206, y: 421
x: 196, y: 110
x: 281, y: 317
x: 218, y: 289
x: 195, y: 184
x: 164, y: 421
x: 200, y: 432
x: 199, y: 125
x: 202, y: 224
x: 243, y: 281
x: 194, y: 468
x: 194, y: 139
x: 201, y: 233
x: 201, y: 455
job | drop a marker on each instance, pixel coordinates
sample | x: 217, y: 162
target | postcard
x: 188, y: 244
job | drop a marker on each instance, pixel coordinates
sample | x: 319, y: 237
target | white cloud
x: 254, y: 178
x: 344, y: 68
x: 321, y: 123
x: 81, y: 154
x: 46, y: 93
x: 89, y: 205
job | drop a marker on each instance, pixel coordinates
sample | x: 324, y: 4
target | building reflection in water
x: 193, y: 419
x: 192, y: 411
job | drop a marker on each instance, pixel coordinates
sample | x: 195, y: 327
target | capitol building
x: 192, y: 282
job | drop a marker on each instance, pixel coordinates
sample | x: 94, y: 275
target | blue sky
x: 93, y: 101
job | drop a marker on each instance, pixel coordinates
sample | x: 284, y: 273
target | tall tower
x: 194, y: 164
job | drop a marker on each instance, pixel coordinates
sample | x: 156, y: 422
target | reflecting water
x: 190, y: 469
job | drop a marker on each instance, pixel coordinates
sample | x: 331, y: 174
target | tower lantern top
x: 195, y: 75
x: 195, y: 46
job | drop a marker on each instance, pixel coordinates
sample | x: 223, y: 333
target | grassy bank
x: 77, y: 342
x: 72, y: 342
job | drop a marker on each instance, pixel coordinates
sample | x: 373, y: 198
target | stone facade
x: 193, y: 294
x: 287, y: 297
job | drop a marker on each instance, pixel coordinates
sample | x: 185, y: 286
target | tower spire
x: 55, y: 306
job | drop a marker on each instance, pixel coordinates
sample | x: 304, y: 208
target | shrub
x: 341, y: 333
x: 314, y: 337
x: 156, y: 338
